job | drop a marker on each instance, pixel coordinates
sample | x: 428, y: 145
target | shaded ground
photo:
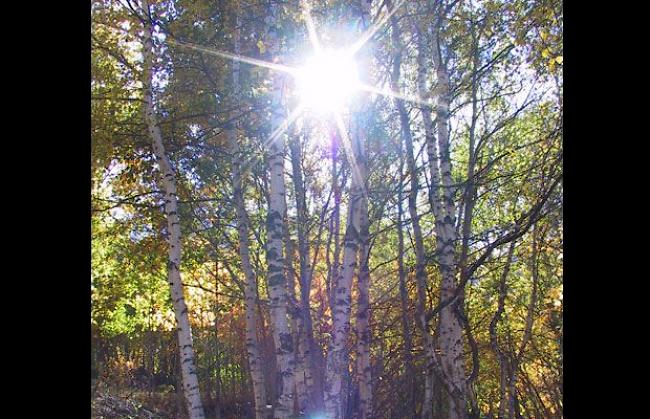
x: 106, y: 406
x: 112, y: 399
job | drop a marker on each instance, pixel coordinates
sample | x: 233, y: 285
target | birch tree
x: 188, y: 365
x: 357, y: 205
x: 404, y: 299
x: 307, y: 337
x: 276, y: 279
x: 452, y: 139
x: 362, y: 116
x: 420, y: 264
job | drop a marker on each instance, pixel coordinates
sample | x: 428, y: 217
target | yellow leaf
x: 545, y: 53
x: 559, y: 59
x: 261, y: 46
x: 543, y: 35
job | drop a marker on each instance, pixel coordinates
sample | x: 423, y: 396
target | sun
x: 327, y: 81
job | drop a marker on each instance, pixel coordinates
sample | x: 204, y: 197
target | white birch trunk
x: 336, y: 221
x: 296, y: 322
x: 189, y: 377
x: 337, y: 364
x: 307, y: 349
x: 340, y: 306
x: 420, y: 257
x: 449, y: 329
x: 276, y: 279
x: 363, y: 281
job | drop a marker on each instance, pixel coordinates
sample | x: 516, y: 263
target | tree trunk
x: 309, y: 347
x: 217, y: 363
x: 467, y: 210
x: 337, y: 368
x: 403, y: 291
x: 276, y: 279
x: 337, y: 356
x: 336, y: 221
x: 361, y: 113
x: 250, y: 287
x: 450, y: 366
x: 513, y: 401
x: 363, y: 318
x: 297, y: 327
x: 502, y: 359
x: 188, y: 366
x: 340, y: 306
x: 420, y: 257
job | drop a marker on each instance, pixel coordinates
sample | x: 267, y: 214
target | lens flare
x: 327, y: 80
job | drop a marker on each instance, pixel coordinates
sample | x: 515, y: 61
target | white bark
x: 449, y: 326
x: 336, y: 220
x: 420, y: 257
x: 276, y: 279
x: 297, y: 327
x: 450, y: 363
x: 307, y: 349
x: 363, y: 281
x: 337, y: 364
x: 188, y: 366
x: 340, y: 306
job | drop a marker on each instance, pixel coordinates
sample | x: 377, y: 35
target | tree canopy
x: 355, y: 206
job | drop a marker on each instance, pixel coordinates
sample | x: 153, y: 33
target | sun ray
x: 286, y: 123
x: 347, y: 145
x: 295, y: 72
x: 311, y: 28
x: 290, y: 119
x: 260, y: 63
x: 389, y: 93
x: 371, y: 31
x: 327, y: 81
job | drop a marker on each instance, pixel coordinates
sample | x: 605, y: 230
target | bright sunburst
x: 327, y: 81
